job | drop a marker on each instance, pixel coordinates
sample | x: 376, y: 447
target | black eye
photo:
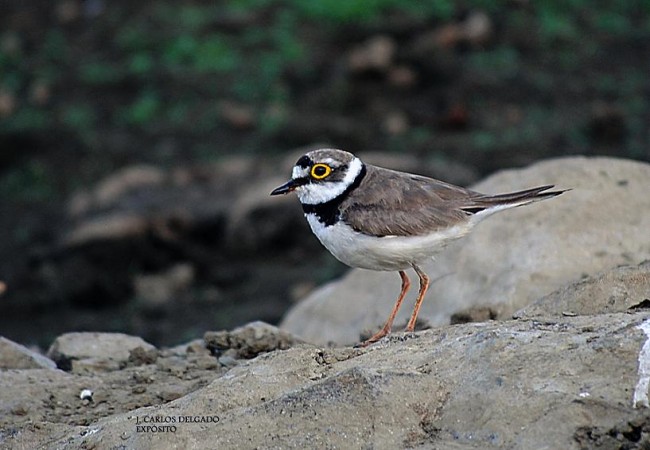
x: 320, y: 171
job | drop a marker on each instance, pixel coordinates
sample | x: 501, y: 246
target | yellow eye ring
x: 320, y: 171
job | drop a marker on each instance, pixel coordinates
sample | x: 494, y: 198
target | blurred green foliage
x: 335, y: 11
x: 144, y: 109
x: 29, y: 182
x: 180, y: 40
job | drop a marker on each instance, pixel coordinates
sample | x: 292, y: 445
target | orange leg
x: 424, y: 285
x: 406, y: 284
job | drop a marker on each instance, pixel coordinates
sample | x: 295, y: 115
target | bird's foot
x: 374, y: 338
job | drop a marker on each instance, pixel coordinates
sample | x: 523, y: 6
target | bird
x: 380, y: 219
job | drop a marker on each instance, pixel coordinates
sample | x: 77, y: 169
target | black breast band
x: 328, y: 212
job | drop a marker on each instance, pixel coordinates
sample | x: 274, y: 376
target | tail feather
x: 512, y: 199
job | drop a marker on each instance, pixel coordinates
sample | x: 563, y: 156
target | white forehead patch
x: 299, y: 172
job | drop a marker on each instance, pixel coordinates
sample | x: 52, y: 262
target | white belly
x: 382, y: 253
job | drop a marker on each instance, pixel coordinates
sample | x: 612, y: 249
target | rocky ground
x: 570, y: 382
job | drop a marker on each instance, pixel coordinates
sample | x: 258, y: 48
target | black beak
x: 287, y: 187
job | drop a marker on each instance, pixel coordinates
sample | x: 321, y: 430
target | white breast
x: 382, y: 253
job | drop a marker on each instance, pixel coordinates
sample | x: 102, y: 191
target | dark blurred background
x: 139, y: 140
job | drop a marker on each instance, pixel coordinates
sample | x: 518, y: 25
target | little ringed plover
x: 382, y: 219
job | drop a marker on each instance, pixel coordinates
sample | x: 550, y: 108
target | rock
x: 146, y: 199
x: 621, y: 289
x: 250, y: 340
x: 88, y: 366
x: 111, y: 226
x: 474, y: 314
x: 508, y: 261
x: 154, y: 290
x: 402, y: 77
x: 466, y: 386
x: 237, y: 115
x: 7, y: 103
x: 140, y: 356
x: 16, y: 356
x: 116, y: 186
x: 94, y: 351
x: 67, y: 11
x: 475, y: 30
x: 196, y: 346
x: 396, y: 123
x: 376, y: 54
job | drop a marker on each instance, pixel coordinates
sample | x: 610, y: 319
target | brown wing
x: 395, y: 203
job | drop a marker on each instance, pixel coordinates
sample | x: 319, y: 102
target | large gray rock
x: 90, y: 351
x: 621, y: 289
x: 568, y: 383
x: 511, y: 259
